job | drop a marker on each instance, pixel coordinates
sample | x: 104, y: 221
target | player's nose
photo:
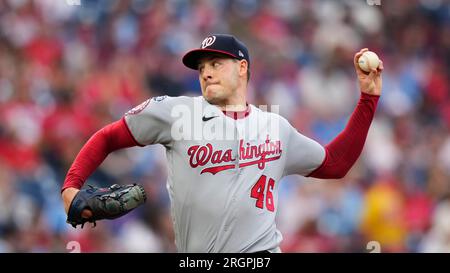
x: 206, y: 73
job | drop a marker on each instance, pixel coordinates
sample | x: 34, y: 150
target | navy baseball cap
x: 223, y: 44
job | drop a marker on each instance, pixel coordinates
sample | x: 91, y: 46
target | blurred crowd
x: 68, y: 70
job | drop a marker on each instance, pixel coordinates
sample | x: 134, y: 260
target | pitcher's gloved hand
x: 105, y: 203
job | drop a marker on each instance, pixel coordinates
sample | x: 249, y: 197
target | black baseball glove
x: 105, y: 203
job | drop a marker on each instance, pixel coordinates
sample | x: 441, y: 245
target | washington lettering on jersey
x: 256, y: 154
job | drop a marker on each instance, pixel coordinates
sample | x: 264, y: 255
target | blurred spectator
x: 382, y: 219
x: 438, y: 237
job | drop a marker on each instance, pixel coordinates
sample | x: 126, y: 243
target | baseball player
x: 224, y: 191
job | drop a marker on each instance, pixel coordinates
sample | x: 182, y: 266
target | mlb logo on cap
x: 217, y: 43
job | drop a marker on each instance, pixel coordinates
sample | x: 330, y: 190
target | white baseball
x: 368, y: 61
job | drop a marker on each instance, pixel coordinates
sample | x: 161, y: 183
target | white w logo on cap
x: 208, y: 41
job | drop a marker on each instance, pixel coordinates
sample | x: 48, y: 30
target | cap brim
x: 192, y: 58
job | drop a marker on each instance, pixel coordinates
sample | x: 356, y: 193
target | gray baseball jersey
x: 223, y: 172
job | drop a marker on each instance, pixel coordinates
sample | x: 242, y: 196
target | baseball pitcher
x: 225, y: 156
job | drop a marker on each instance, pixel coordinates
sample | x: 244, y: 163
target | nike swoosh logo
x: 208, y: 118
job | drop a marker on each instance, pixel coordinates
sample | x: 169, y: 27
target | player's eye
x: 216, y: 64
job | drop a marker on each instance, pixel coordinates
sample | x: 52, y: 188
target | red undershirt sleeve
x: 108, y: 139
x: 344, y: 150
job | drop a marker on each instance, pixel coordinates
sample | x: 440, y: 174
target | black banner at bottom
x: 266, y: 262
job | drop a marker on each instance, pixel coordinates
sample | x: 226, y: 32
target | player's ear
x: 243, y: 67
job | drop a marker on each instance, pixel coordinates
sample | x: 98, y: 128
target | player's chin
x: 212, y: 96
x: 212, y: 100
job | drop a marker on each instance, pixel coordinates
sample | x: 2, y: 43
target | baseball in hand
x: 368, y: 61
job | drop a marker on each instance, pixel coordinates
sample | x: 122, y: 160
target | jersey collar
x: 233, y: 114
x: 238, y: 114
